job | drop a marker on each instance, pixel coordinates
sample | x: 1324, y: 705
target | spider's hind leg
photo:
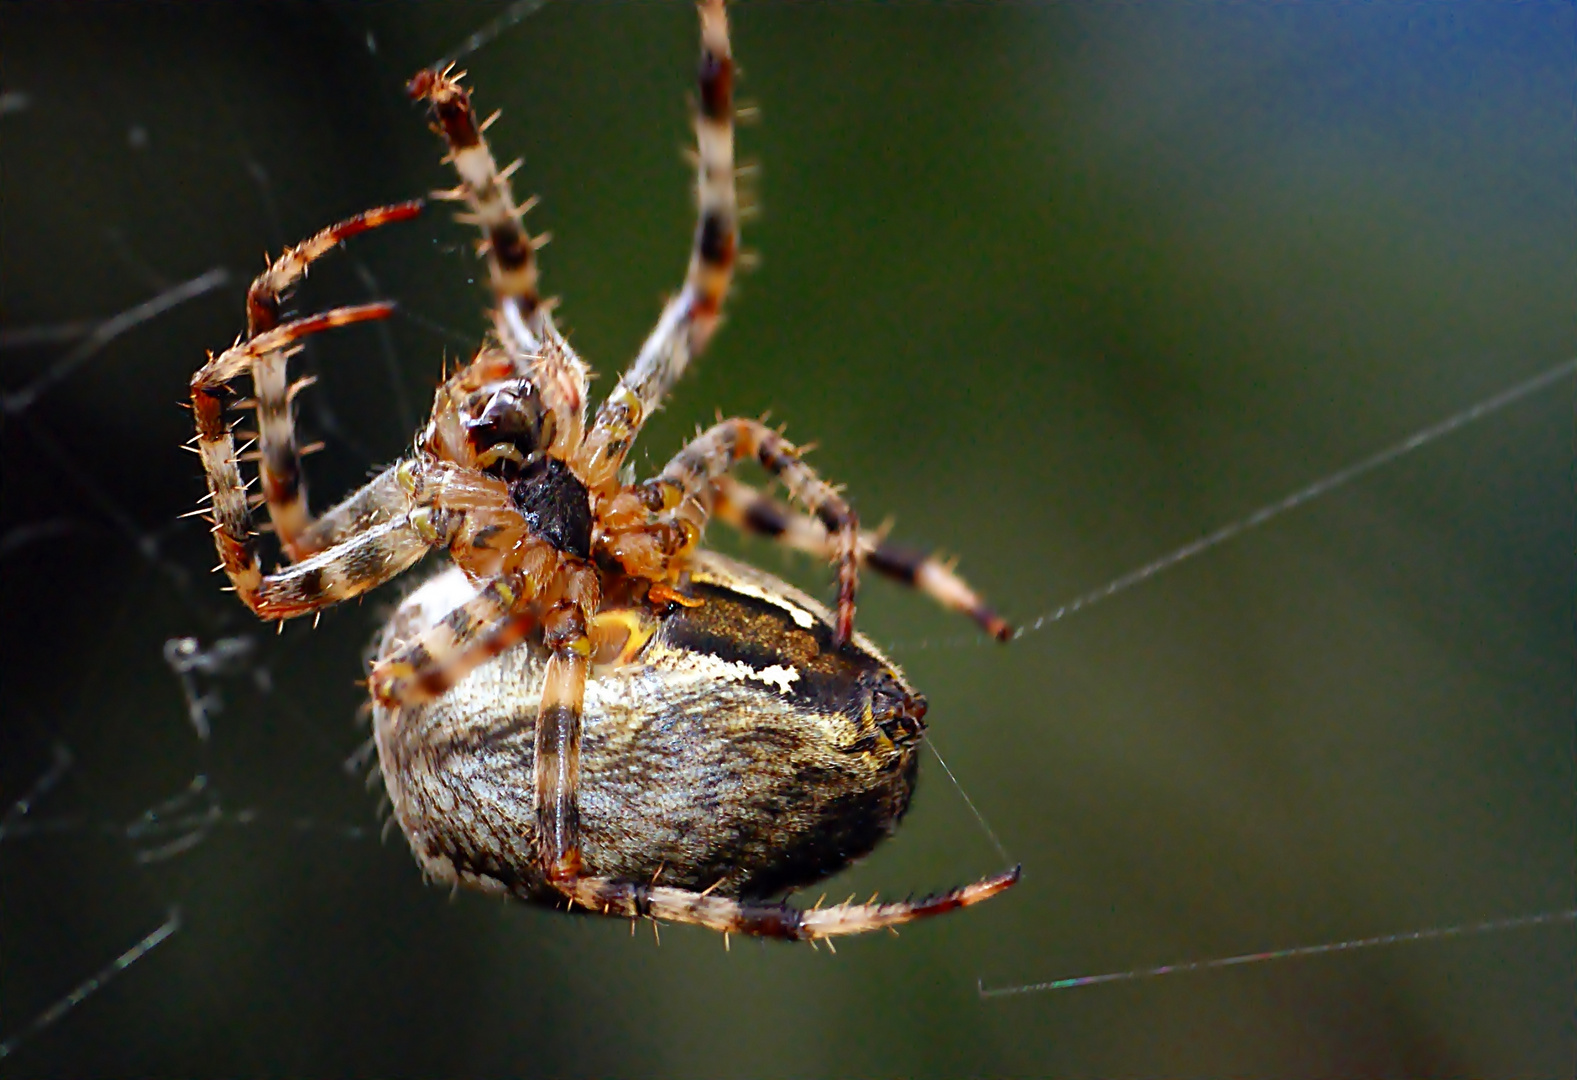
x: 484, y: 626
x: 690, y: 318
x: 730, y: 916
x: 752, y: 511
x: 505, y: 611
x: 556, y: 751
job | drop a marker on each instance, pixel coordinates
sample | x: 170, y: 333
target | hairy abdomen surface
x: 738, y: 749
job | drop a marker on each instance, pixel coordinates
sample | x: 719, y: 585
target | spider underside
x: 589, y: 709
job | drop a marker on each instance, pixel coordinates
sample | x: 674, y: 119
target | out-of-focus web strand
x: 1270, y: 511
x: 1329, y: 483
x: 1490, y: 926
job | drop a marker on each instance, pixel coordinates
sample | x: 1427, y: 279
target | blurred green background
x: 1058, y: 287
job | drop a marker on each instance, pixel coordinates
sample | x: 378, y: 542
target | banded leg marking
x: 556, y: 751
x: 490, y: 623
x: 730, y: 916
x: 522, y: 321
x: 691, y: 482
x: 752, y: 511
x: 689, y: 319
x: 284, y: 486
x: 378, y: 501
x: 262, y: 298
x: 511, y: 255
x: 362, y: 562
x: 234, y: 537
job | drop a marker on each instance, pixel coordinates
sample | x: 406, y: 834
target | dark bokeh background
x: 1060, y: 287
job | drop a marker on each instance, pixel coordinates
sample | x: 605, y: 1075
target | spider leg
x: 469, y: 635
x: 687, y: 489
x: 387, y: 495
x: 689, y: 319
x: 556, y: 746
x: 503, y: 613
x: 522, y: 321
x: 376, y: 502
x: 361, y: 562
x: 284, y: 488
x: 334, y: 574
x: 731, y: 916
x: 749, y: 510
x: 556, y: 770
x: 520, y: 577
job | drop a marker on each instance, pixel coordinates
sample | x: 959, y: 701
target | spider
x: 587, y: 709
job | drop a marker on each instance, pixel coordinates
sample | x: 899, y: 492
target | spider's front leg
x: 359, y: 562
x: 522, y: 320
x: 689, y: 319
x: 279, y: 456
x: 686, y: 492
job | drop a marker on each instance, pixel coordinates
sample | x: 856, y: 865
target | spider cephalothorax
x: 588, y: 708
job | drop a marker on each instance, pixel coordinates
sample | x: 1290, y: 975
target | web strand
x: 1337, y: 479
x: 1270, y: 511
x: 991, y: 834
x: 93, y: 983
x: 46, y: 783
x: 1491, y: 926
x: 1231, y: 531
x: 170, y: 828
x: 96, y: 339
x: 513, y: 15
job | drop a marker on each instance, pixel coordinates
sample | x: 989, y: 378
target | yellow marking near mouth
x: 618, y: 636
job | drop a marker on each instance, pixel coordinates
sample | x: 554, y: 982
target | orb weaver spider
x: 587, y: 708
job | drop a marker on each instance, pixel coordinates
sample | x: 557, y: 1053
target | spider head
x: 510, y: 432
x: 509, y: 428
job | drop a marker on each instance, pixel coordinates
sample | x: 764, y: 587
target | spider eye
x: 514, y: 417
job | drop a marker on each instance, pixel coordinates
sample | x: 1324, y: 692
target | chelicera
x: 587, y: 708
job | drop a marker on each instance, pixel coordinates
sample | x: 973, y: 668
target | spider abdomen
x: 739, y: 751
